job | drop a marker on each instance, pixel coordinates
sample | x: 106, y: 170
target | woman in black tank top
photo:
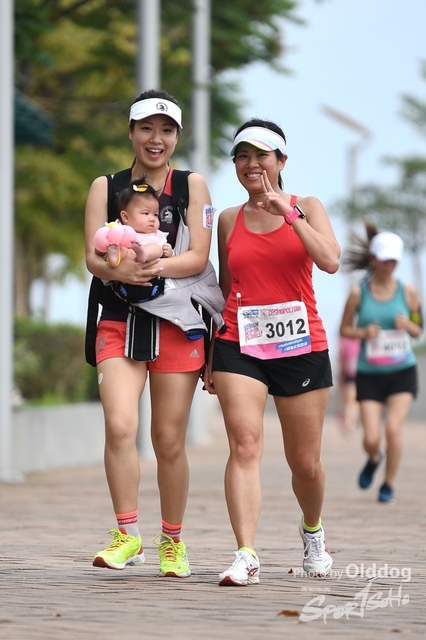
x: 154, y: 127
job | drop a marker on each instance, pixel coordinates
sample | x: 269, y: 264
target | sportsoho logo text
x: 364, y: 600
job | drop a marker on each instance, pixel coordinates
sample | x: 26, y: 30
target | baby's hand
x: 167, y: 250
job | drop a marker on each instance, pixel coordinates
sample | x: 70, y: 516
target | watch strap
x: 296, y: 213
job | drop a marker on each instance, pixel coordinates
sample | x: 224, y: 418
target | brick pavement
x: 53, y: 524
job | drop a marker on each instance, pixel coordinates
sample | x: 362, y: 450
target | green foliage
x: 49, y: 365
x: 81, y: 65
x: 49, y: 200
x: 401, y: 209
x: 413, y: 109
x: 32, y: 124
x: 76, y: 60
x: 245, y: 32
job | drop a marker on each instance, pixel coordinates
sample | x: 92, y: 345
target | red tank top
x: 269, y: 268
x: 167, y: 224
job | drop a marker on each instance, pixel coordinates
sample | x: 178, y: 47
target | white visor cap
x: 387, y: 246
x: 261, y: 138
x: 156, y: 106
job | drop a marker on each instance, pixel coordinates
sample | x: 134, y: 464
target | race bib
x: 390, y: 347
x: 274, y: 330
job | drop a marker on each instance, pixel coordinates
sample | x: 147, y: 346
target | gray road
x: 53, y: 524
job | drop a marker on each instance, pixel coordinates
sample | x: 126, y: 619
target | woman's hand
x: 402, y: 322
x: 372, y: 331
x: 208, y: 380
x: 132, y: 272
x: 207, y: 373
x: 273, y: 202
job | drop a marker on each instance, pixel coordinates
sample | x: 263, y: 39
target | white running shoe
x: 317, y: 560
x: 243, y: 571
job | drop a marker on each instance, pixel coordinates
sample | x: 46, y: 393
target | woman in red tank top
x: 274, y: 343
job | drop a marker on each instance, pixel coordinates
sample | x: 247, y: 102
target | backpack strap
x: 180, y: 194
x: 95, y: 291
x: 98, y: 292
x: 116, y: 183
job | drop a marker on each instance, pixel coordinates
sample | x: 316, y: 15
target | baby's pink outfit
x: 152, y: 238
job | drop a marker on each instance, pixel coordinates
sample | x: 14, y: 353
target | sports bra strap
x: 293, y: 200
x: 168, y: 184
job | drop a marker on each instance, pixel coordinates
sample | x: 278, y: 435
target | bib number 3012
x: 289, y: 329
x: 274, y: 331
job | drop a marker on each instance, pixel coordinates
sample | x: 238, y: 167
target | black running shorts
x: 283, y: 376
x: 379, y: 386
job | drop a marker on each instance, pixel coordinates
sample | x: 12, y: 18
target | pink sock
x: 171, y: 530
x: 128, y: 522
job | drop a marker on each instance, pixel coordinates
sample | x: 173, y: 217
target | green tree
x: 77, y: 60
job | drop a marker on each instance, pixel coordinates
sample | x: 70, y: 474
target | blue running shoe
x: 386, y: 493
x: 367, y: 474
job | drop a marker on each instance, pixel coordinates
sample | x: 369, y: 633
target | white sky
x: 357, y: 57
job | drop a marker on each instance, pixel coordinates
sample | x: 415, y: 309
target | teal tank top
x: 384, y: 313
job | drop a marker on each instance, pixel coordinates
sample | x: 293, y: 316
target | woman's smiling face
x: 250, y: 162
x: 154, y: 140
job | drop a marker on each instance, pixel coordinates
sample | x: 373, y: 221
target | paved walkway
x: 52, y: 525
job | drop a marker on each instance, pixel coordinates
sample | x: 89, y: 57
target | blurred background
x: 346, y: 81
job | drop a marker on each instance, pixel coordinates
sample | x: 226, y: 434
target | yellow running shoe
x: 173, y: 558
x: 122, y: 551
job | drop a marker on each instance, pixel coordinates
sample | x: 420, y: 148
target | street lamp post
x: 6, y: 241
x: 353, y: 149
x: 200, y: 160
x: 149, y: 77
x: 149, y: 64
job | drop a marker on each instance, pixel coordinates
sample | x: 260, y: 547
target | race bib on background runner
x: 274, y: 330
x: 390, y: 347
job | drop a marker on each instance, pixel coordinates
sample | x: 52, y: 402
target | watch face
x: 302, y: 214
